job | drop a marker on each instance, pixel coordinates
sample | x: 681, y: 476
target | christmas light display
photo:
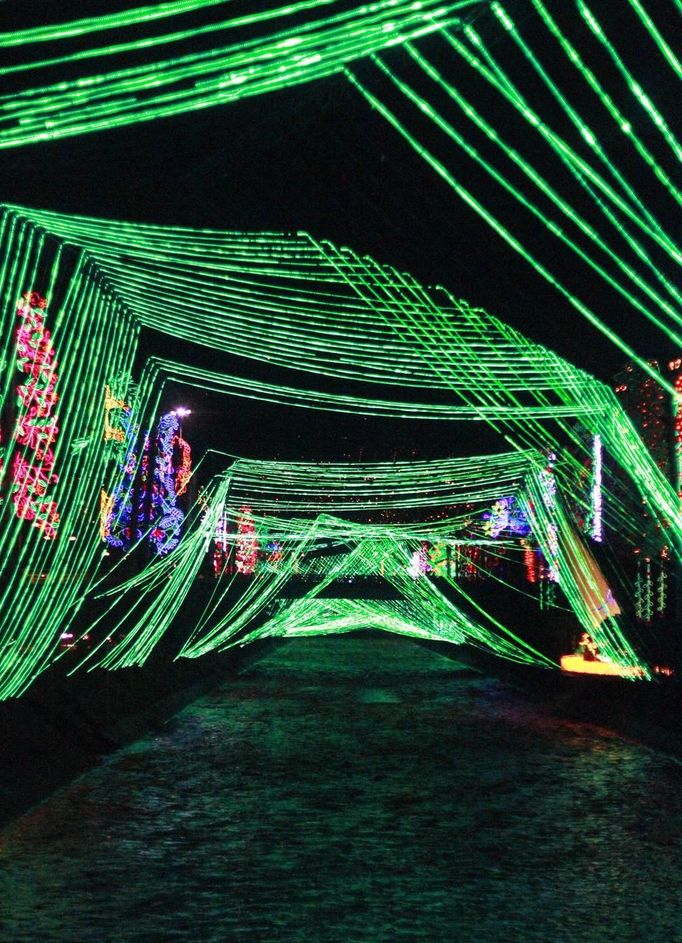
x: 647, y: 405
x: 530, y: 561
x: 260, y: 52
x: 376, y: 549
x: 675, y: 367
x: 579, y: 191
x: 246, y: 554
x: 505, y: 515
x: 43, y: 582
x: 421, y: 609
x: 651, y: 588
x: 419, y: 562
x: 112, y: 430
x: 648, y: 593
x: 127, y: 518
x: 548, y: 491
x: 166, y: 516
x: 326, y: 312
x: 577, y: 572
x: 221, y: 545
x: 274, y: 553
x: 119, y: 435
x: 579, y: 393
x: 106, y: 508
x: 183, y: 470
x: 36, y: 427
x: 439, y: 558
x: 84, y: 76
x: 661, y: 592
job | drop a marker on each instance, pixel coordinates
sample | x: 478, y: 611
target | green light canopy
x: 76, y: 294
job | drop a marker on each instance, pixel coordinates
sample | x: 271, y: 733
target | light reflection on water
x: 355, y: 790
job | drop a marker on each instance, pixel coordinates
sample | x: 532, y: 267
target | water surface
x: 355, y: 790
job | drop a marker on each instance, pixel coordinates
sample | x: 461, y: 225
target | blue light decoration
x: 167, y: 517
x: 505, y: 517
x: 120, y: 530
x: 274, y: 554
x: 142, y: 499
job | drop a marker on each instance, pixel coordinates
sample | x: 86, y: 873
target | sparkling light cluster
x: 36, y: 428
x: 166, y: 516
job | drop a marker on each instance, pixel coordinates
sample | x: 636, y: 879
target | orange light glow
x: 576, y: 664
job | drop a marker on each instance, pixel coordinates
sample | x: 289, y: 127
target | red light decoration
x: 36, y: 428
x: 246, y: 555
x: 530, y: 561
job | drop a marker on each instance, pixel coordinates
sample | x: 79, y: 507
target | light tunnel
x: 96, y: 511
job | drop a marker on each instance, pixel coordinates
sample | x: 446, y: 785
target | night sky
x: 313, y: 158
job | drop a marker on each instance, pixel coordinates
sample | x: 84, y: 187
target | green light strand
x: 620, y: 119
x: 580, y: 168
x: 656, y: 36
x: 634, y: 87
x: 545, y: 188
x: 218, y: 76
x: 471, y: 201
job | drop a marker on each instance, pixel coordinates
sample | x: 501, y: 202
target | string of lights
x: 129, y: 92
x: 203, y: 60
x: 611, y: 228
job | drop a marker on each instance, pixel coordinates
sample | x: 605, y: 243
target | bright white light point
x: 182, y: 411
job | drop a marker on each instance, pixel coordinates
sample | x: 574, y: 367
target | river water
x: 355, y: 790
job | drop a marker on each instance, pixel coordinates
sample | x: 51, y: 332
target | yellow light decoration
x: 576, y: 664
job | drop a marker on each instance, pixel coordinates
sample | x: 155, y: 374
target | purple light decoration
x: 165, y: 535
x: 505, y: 515
x: 548, y: 490
x: 124, y: 531
x: 597, y: 524
x: 419, y: 563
